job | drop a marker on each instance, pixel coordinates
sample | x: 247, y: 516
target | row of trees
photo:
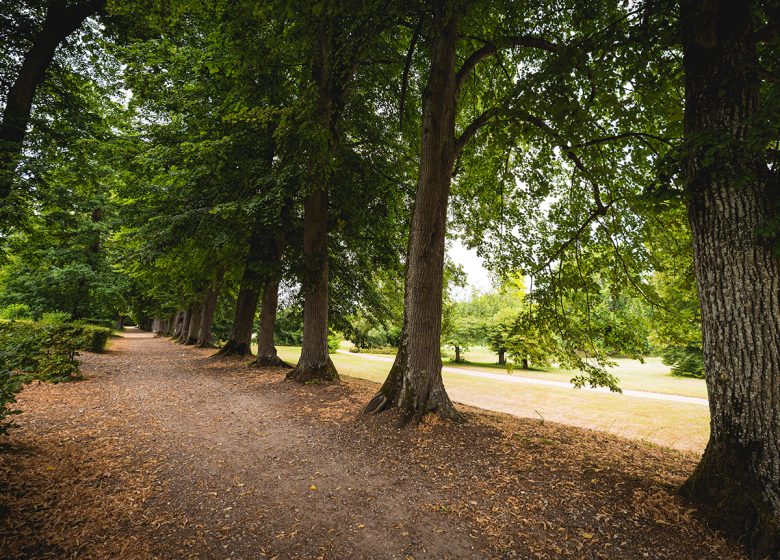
x: 224, y: 155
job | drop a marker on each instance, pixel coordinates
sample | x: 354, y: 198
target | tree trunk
x: 240, y: 341
x: 185, y: 326
x: 415, y: 384
x: 178, y: 325
x: 205, y: 338
x: 457, y: 354
x: 738, y: 276
x: 314, y: 363
x: 196, y: 313
x: 266, y: 349
x: 524, y: 363
x: 61, y: 20
x: 501, y: 357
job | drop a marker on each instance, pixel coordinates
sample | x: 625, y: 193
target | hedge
x: 41, y: 351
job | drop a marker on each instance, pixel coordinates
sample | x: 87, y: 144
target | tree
x: 732, y: 207
x: 60, y: 21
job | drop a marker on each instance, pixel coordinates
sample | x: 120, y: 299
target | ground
x: 681, y: 425
x: 165, y: 452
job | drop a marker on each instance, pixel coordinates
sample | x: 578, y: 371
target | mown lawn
x: 679, y: 425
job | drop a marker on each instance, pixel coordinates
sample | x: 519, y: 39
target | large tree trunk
x: 738, y: 276
x: 266, y: 349
x: 416, y: 386
x: 61, y: 20
x: 185, y: 326
x: 240, y: 341
x: 501, y: 357
x: 196, y: 313
x: 314, y: 363
x: 205, y: 338
x: 178, y: 323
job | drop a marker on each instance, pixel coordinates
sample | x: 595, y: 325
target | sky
x: 477, y: 277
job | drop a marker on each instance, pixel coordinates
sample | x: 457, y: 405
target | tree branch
x: 530, y: 41
x: 468, y: 133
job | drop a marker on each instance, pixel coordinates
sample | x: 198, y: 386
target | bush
x: 94, y: 338
x: 38, y: 351
x: 389, y: 350
x: 15, y: 312
x: 55, y: 317
x: 334, y: 340
x: 107, y: 323
x: 10, y: 384
x: 686, y: 361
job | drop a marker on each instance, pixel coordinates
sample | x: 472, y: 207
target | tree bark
x: 240, y: 341
x: 331, y: 79
x: 61, y: 20
x: 738, y: 277
x: 524, y: 363
x: 266, y: 349
x: 178, y: 323
x: 185, y: 326
x: 501, y: 357
x: 196, y: 313
x: 415, y: 384
x: 457, y: 354
x: 205, y: 338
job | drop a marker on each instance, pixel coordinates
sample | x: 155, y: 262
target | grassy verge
x: 679, y: 425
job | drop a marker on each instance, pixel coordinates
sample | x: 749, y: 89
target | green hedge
x: 41, y: 351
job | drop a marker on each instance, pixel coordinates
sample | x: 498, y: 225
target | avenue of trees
x: 234, y: 171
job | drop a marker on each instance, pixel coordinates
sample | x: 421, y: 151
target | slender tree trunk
x: 729, y: 202
x: 205, y: 338
x: 266, y: 349
x: 185, y: 326
x: 501, y: 357
x: 196, y: 313
x: 524, y: 363
x: 457, y: 354
x: 420, y: 388
x: 61, y: 20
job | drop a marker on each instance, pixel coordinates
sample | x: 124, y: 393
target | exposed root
x: 377, y: 404
x: 232, y: 348
x: 270, y: 361
x: 313, y: 373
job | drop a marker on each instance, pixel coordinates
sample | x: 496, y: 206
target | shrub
x: 10, y: 384
x: 15, y: 311
x: 35, y: 351
x: 55, y: 317
x: 94, y: 338
x: 334, y: 340
x: 686, y: 361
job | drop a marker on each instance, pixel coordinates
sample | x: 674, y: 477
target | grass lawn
x: 679, y: 425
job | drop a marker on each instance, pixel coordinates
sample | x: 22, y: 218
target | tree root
x: 270, y: 361
x: 313, y: 372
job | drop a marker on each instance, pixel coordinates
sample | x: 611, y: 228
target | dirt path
x: 165, y: 452
x: 503, y: 378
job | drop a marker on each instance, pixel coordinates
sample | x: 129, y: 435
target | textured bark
x: 61, y: 20
x: 415, y: 384
x: 314, y: 363
x: 729, y: 200
x: 196, y: 313
x: 266, y: 349
x: 185, y: 326
x: 330, y: 79
x: 178, y: 325
x: 205, y: 337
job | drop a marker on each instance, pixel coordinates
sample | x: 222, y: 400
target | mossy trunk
x: 729, y: 192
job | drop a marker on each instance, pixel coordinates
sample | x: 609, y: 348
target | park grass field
x: 681, y: 426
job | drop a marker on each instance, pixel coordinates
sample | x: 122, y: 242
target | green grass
x: 679, y: 425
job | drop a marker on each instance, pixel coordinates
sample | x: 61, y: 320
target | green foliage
x: 54, y: 317
x: 11, y: 383
x: 94, y: 338
x: 686, y: 361
x: 15, y: 311
x: 334, y: 342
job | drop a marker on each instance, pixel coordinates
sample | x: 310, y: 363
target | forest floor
x: 165, y: 452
